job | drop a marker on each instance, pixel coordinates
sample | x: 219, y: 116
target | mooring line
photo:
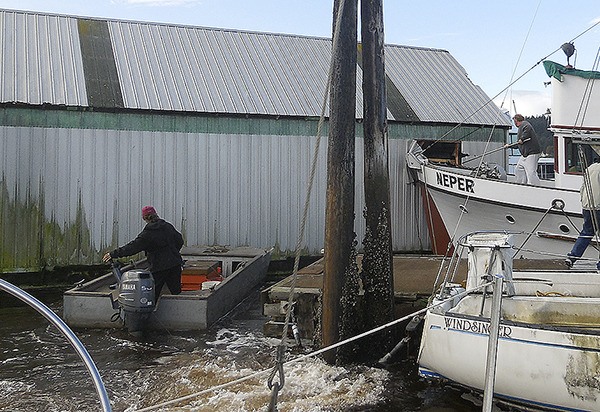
x: 276, y: 385
x: 313, y: 354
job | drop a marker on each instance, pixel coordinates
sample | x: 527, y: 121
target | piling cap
x: 148, y: 210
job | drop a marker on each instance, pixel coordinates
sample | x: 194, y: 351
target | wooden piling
x: 339, y: 213
x: 378, y: 260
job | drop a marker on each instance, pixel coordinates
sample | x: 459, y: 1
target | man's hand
x: 107, y: 257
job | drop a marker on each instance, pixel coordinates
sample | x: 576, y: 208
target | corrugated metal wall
x: 41, y: 60
x: 212, y: 70
x: 67, y: 195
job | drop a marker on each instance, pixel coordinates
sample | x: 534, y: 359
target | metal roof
x: 77, y: 61
x: 40, y: 60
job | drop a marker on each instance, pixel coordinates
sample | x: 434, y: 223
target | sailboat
x: 546, y: 218
x: 545, y: 328
x: 548, y: 350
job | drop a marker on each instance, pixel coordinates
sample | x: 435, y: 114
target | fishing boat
x: 535, y: 341
x: 548, y: 334
x: 214, y: 281
x: 546, y: 218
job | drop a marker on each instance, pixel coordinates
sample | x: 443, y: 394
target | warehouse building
x: 216, y: 128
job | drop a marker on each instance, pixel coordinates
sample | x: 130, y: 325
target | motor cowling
x: 136, y: 298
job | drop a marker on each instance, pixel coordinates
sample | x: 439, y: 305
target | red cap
x: 148, y: 210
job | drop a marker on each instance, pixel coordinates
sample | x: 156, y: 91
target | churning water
x: 40, y: 371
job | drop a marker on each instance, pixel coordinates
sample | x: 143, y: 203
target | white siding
x: 228, y: 190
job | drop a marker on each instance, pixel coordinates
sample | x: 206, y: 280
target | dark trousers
x: 171, y: 276
x: 586, y: 235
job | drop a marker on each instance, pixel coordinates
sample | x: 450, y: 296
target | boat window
x: 573, y: 163
x: 564, y: 228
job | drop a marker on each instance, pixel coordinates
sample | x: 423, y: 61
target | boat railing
x: 67, y: 333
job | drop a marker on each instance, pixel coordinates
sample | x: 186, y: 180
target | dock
x: 414, y: 277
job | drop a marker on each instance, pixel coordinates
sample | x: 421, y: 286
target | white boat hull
x: 547, y: 354
x: 548, y: 348
x: 467, y: 204
x: 544, y: 368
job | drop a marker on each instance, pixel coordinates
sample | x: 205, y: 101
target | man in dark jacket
x: 161, y: 242
x: 529, y: 146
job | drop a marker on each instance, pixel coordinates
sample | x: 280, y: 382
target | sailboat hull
x: 537, y: 367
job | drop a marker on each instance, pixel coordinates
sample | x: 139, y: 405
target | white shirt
x: 591, y: 178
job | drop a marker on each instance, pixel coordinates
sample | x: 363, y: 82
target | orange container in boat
x: 197, y: 272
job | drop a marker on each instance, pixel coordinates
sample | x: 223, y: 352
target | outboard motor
x: 135, y: 297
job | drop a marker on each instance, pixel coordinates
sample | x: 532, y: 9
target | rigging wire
x: 583, y: 161
x: 463, y: 209
x: 512, y: 76
x: 510, y: 85
x: 279, y: 366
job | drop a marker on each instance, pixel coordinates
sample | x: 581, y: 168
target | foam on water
x: 310, y: 385
x: 40, y: 371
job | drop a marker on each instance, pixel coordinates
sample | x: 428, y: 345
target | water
x: 40, y: 371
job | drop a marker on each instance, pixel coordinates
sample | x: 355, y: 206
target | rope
x: 315, y: 353
x: 549, y: 294
x: 278, y: 368
x: 279, y: 361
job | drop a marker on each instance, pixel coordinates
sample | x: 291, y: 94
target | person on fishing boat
x: 590, y: 204
x: 161, y: 243
x: 529, y: 146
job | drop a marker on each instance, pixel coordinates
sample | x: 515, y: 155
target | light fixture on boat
x: 569, y: 49
x: 510, y: 219
x: 463, y: 208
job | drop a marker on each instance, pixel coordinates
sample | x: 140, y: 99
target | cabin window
x: 442, y: 152
x: 572, y: 159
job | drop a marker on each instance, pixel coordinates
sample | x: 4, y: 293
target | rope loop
x: 274, y: 394
x: 278, y: 370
